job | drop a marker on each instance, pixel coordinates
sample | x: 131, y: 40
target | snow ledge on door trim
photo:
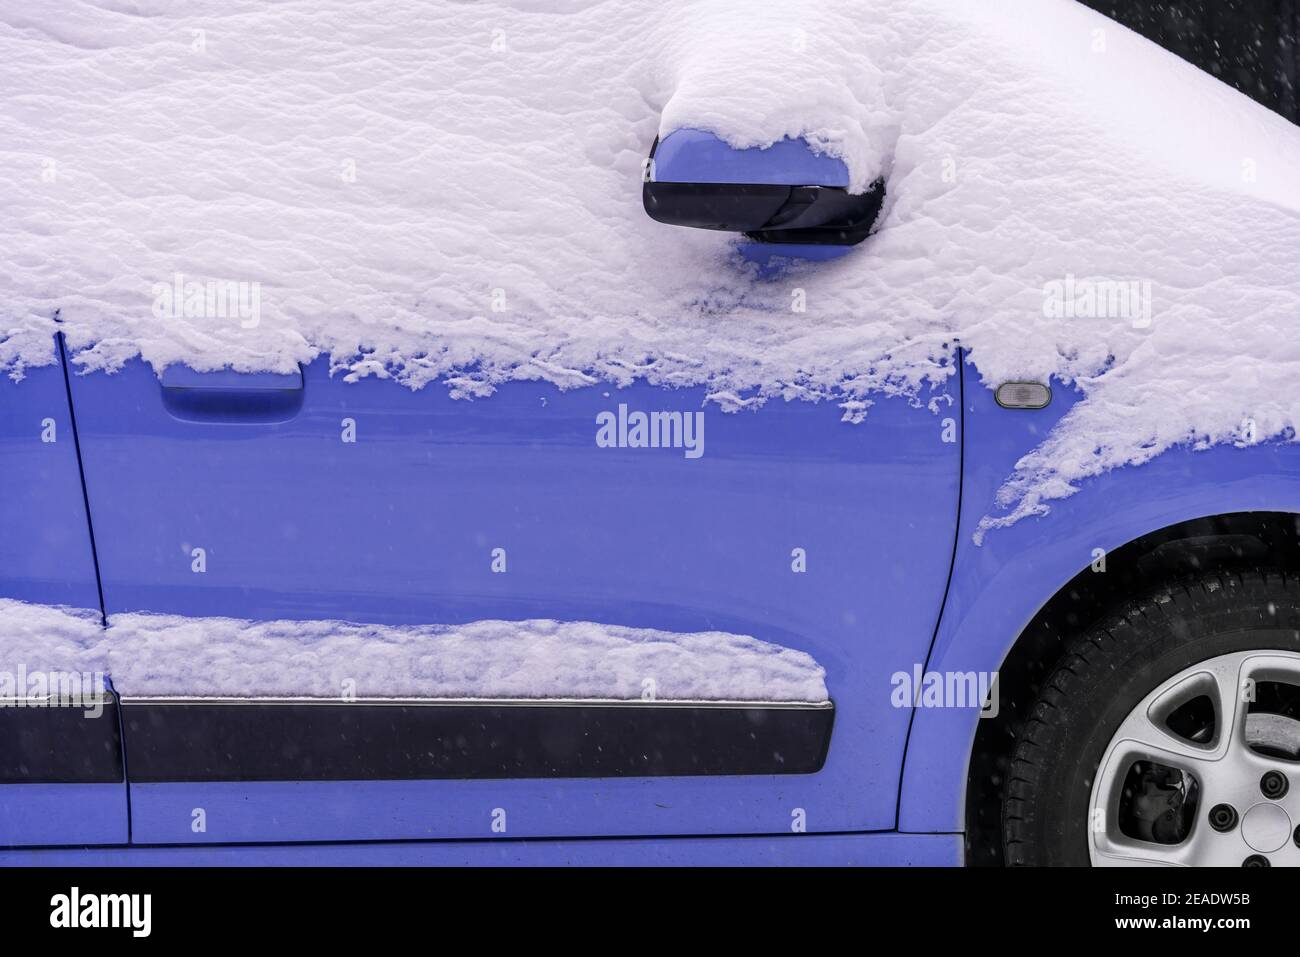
x: 533, y: 661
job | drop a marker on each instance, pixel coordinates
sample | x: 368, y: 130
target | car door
x: 346, y: 611
x: 310, y: 499
x: 61, y: 778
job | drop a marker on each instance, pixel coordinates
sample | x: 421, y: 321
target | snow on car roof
x: 451, y: 193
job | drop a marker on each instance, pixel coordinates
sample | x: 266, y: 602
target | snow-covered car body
x: 624, y: 593
x: 297, y: 499
x: 450, y: 512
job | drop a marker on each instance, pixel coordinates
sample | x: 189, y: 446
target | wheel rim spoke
x: 1216, y: 767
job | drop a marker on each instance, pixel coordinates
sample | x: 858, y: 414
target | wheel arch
x: 1223, y: 540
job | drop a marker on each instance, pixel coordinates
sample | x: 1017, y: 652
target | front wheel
x: 1169, y: 734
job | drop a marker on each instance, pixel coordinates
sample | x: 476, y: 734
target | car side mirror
x: 785, y: 193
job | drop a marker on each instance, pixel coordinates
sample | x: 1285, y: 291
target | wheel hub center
x: 1266, y: 827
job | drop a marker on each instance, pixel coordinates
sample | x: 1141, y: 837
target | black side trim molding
x: 60, y: 743
x: 290, y: 740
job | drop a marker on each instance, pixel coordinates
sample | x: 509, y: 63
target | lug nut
x: 1274, y: 785
x: 1223, y: 817
x: 1256, y: 860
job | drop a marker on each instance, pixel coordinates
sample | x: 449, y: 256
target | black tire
x: 1105, y: 673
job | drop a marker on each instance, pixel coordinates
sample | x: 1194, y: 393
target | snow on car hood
x: 150, y: 655
x: 444, y: 192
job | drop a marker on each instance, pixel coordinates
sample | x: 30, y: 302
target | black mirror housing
x: 766, y: 212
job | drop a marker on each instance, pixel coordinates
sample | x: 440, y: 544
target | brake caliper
x: 1158, y: 803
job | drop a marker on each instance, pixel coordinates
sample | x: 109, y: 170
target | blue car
x: 831, y: 662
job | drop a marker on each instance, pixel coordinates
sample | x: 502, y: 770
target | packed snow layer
x: 168, y: 655
x: 449, y: 192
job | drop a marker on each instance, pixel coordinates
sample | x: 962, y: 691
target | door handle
x: 226, y: 396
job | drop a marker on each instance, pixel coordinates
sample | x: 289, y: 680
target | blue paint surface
x: 45, y: 552
x: 775, y: 260
x: 32, y: 815
x: 696, y: 156
x: 399, y: 528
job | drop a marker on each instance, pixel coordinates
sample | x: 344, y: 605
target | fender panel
x: 999, y: 586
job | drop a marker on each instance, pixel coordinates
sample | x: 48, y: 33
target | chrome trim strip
x: 57, y: 701
x: 487, y: 702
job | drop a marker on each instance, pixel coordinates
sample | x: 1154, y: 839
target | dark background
x: 1249, y: 44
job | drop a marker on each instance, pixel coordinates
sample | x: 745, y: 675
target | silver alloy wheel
x: 1223, y: 764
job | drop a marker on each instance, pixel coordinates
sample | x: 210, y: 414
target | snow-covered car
x: 379, y: 482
